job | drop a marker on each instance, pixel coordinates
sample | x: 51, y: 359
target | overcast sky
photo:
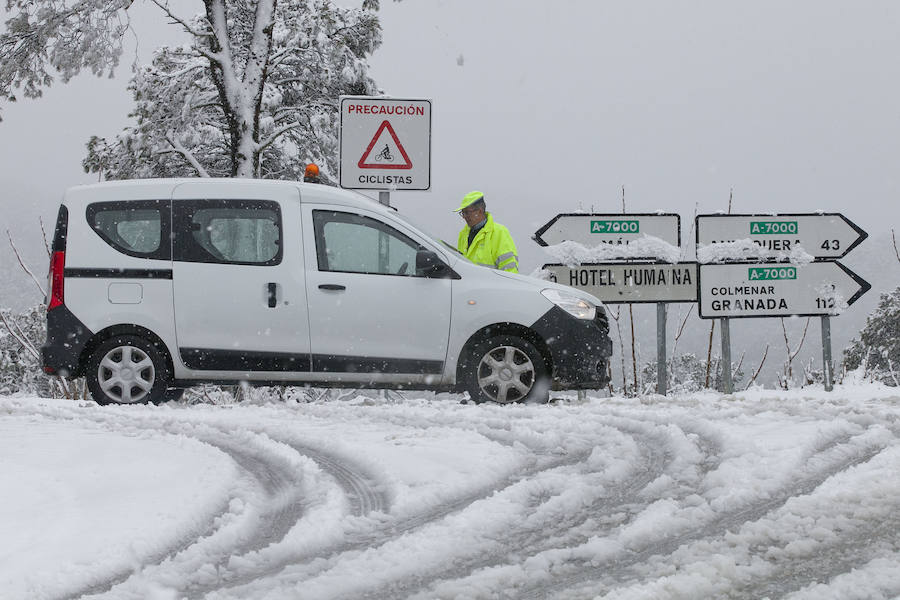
x: 552, y: 107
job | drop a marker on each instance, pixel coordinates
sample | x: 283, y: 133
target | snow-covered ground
x: 762, y: 494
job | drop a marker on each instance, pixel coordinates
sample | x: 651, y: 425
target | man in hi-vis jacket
x: 483, y: 240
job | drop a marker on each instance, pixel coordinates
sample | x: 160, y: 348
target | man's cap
x: 469, y: 199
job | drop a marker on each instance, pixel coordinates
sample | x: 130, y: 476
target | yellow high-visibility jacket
x: 492, y: 246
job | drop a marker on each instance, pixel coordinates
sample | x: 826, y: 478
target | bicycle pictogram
x: 385, y: 154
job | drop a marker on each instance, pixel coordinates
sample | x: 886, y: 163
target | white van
x: 157, y: 285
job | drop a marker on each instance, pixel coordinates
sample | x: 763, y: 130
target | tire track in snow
x: 281, y: 508
x: 872, y: 540
x: 363, y: 496
x: 655, y: 458
x: 390, y: 530
x: 265, y: 477
x: 620, y: 567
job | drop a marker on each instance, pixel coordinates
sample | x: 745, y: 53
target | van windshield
x: 425, y: 230
x: 416, y: 225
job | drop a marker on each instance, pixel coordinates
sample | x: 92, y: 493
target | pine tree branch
x: 22, y: 264
x: 759, y: 369
x: 31, y: 347
x: 894, y: 239
x: 740, y: 363
x: 22, y: 341
x: 187, y: 26
x: 44, y: 237
x: 178, y: 148
x: 278, y: 133
x: 681, y: 327
x: 184, y: 71
x: 802, y: 339
x: 788, y: 369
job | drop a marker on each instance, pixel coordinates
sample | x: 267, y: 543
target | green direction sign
x: 822, y: 235
x: 592, y: 230
x: 777, y: 289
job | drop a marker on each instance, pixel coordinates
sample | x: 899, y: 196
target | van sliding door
x: 240, y: 297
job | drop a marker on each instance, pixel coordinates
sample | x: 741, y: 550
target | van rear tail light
x: 57, y: 280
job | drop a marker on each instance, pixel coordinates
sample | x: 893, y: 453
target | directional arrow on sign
x: 617, y: 228
x: 823, y: 235
x: 777, y: 289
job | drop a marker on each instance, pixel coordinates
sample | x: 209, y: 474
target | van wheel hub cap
x: 126, y: 374
x: 505, y: 374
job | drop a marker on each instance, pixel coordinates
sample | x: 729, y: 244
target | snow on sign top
x: 611, y: 229
x: 385, y: 143
x: 822, y: 235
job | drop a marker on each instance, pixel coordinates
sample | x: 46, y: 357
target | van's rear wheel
x: 127, y: 369
x: 506, y: 369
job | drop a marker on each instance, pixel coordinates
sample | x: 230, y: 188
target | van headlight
x: 575, y: 306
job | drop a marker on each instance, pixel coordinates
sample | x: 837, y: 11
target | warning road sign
x: 379, y: 154
x: 385, y: 143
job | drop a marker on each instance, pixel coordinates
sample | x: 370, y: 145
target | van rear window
x: 136, y: 228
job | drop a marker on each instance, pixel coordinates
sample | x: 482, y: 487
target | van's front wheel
x: 506, y: 369
x: 127, y: 369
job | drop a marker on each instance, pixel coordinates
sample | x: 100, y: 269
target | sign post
x: 728, y: 386
x: 661, y: 367
x: 827, y: 368
x: 778, y: 289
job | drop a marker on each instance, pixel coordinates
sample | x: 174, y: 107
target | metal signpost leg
x: 826, y: 353
x: 726, y: 358
x: 383, y: 257
x: 661, y: 374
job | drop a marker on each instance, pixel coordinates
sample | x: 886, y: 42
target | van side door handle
x: 332, y: 286
x: 273, y: 294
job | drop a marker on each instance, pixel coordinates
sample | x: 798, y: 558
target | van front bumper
x: 66, y: 338
x: 580, y: 349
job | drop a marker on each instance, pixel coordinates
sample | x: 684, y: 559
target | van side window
x: 352, y: 243
x: 239, y: 232
x: 134, y: 227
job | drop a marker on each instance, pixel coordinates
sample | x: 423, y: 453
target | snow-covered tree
x: 21, y: 336
x: 252, y: 93
x: 877, y: 349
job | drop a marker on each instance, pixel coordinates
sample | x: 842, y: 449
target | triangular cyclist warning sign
x: 385, y: 151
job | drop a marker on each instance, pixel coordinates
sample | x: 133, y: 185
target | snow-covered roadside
x: 80, y: 501
x: 697, y: 496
